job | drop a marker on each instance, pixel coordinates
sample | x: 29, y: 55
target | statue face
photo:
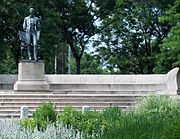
x: 31, y: 11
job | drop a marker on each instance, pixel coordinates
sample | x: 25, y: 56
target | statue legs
x: 28, y: 39
x: 33, y: 48
x: 36, y: 52
x: 29, y: 52
x: 22, y: 50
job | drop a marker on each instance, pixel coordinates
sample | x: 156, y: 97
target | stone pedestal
x: 31, y: 77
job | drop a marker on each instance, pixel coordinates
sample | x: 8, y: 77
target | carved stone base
x: 31, y: 77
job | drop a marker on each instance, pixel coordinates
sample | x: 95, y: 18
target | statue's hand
x: 25, y: 28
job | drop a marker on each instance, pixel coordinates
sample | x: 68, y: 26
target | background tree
x: 77, y: 23
x: 133, y: 36
x: 11, y: 20
x: 71, y: 22
x: 90, y: 64
x: 127, y: 34
x: 170, y: 49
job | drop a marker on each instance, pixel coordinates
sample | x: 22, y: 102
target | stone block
x: 85, y: 109
x: 31, y: 86
x: 173, y: 81
x: 31, y: 77
x: 24, y: 112
x: 31, y: 70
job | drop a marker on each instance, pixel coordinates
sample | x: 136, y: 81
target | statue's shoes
x: 36, y: 59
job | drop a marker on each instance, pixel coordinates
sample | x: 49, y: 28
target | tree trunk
x: 16, y: 57
x: 78, y: 65
x: 63, y: 59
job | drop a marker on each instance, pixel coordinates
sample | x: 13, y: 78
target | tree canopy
x: 133, y: 36
x: 128, y: 36
x: 170, y: 49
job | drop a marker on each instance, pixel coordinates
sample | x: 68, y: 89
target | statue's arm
x: 25, y: 24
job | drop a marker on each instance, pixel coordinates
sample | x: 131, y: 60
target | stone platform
x: 95, y: 91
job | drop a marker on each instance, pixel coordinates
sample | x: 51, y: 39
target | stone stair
x: 96, y: 91
x: 11, y: 102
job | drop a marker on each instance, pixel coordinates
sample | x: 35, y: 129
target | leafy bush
x: 91, y: 122
x: 28, y: 123
x: 44, y: 115
x: 173, y: 131
x: 155, y: 103
x: 152, y: 118
x: 173, y: 128
x: 68, y: 115
x: 111, y: 117
x: 87, y: 122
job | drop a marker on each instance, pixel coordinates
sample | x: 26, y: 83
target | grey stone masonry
x: 161, y: 83
x: 31, y: 77
x: 24, y: 112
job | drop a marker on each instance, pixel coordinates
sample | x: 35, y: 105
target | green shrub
x: 45, y: 112
x: 88, y: 122
x: 155, y: 103
x: 28, y: 123
x: 111, y: 117
x: 155, y: 117
x: 91, y: 122
x: 44, y: 115
x: 68, y: 115
x: 173, y: 130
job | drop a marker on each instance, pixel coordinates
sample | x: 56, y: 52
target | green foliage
x: 133, y: 35
x: 128, y: 34
x: 7, y: 64
x: 170, y: 56
x: 173, y: 131
x: 70, y: 22
x: 154, y: 117
x: 91, y: 64
x: 91, y: 122
x: 28, y: 124
x: 154, y: 104
x: 68, y: 115
x: 111, y: 118
x: 87, y: 122
x: 44, y: 115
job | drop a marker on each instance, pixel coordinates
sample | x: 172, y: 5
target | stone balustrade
x: 166, y: 83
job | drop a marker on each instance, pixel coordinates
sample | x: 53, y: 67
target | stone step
x: 62, y: 104
x: 73, y: 98
x: 85, y: 91
x: 16, y: 113
x: 60, y: 108
x: 69, y: 99
x: 10, y: 103
x: 67, y: 95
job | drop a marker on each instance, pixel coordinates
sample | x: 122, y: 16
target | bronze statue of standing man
x: 31, y: 26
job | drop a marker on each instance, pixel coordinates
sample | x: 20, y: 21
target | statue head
x: 31, y: 11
